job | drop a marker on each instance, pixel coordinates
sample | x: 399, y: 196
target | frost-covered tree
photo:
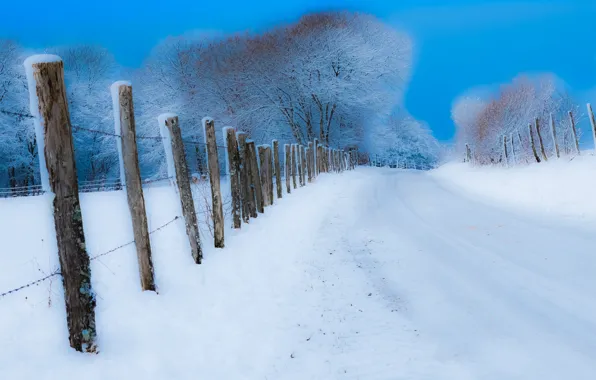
x: 483, y: 120
x: 18, y: 150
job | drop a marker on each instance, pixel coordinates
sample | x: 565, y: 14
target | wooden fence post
x: 574, y: 133
x: 303, y: 164
x: 505, y: 156
x: 249, y: 208
x: 592, y: 122
x: 532, y: 143
x: 277, y: 168
x: 468, y: 153
x: 294, y: 165
x: 257, y: 187
x: 513, y: 157
x: 288, y: 165
x: 49, y: 106
x: 178, y: 170
x: 310, y: 161
x: 233, y: 163
x: 299, y: 162
x: 553, y: 131
x: 540, y: 140
x: 315, y: 153
x: 270, y: 173
x: 265, y: 168
x: 131, y: 178
x: 214, y: 179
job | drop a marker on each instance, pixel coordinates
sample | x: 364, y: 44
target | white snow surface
x: 368, y: 274
x: 559, y: 188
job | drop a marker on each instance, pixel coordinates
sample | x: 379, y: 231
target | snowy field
x: 371, y: 274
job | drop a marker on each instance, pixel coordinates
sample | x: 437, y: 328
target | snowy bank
x: 558, y: 188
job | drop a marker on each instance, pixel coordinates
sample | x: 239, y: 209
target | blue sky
x: 459, y: 44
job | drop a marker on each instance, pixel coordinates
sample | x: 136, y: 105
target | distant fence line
x: 510, y: 155
x: 251, y: 171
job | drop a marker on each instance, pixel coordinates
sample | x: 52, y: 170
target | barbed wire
x: 95, y: 257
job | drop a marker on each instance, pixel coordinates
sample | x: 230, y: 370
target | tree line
x: 336, y: 76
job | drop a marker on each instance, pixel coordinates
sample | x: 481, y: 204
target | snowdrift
x: 561, y: 188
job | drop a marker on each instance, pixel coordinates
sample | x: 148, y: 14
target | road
x: 409, y: 280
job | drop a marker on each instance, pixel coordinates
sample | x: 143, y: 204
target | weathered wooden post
x: 513, y: 157
x: 300, y: 168
x: 49, y: 107
x: 532, y: 143
x: 310, y: 161
x: 269, y: 154
x: 592, y: 122
x: 249, y: 209
x: 553, y: 132
x: 233, y: 165
x: 214, y: 179
x: 178, y: 171
x: 540, y: 140
x: 468, y: 153
x: 315, y: 153
x: 130, y: 176
x: 319, y: 159
x: 265, y: 168
x: 505, y: 155
x: 277, y: 167
x: 294, y: 165
x: 256, y: 186
x: 574, y: 133
x: 303, y: 164
x: 288, y: 165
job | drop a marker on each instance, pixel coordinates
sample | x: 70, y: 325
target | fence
x: 251, y: 171
x: 512, y: 151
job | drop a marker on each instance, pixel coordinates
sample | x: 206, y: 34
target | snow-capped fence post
x: 553, y: 131
x: 468, y: 153
x: 540, y: 140
x: 269, y: 173
x: 130, y: 176
x: 214, y: 180
x: 233, y: 163
x: 315, y: 153
x: 300, y: 168
x: 574, y: 133
x: 277, y: 168
x: 303, y: 163
x: 49, y: 106
x: 513, y: 157
x: 178, y: 170
x: 505, y: 155
x: 294, y: 165
x: 532, y: 143
x: 256, y: 186
x: 288, y: 163
x: 248, y: 200
x: 265, y: 168
x: 592, y: 122
x: 310, y: 161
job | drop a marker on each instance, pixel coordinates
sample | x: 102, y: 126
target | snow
x: 167, y: 143
x: 114, y: 88
x: 34, y: 110
x: 557, y: 188
x: 369, y: 274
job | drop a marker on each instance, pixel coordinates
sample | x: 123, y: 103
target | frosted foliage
x: 483, y: 116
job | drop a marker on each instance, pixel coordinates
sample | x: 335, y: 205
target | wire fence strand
x: 95, y: 257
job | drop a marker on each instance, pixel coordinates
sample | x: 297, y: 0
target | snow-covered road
x: 371, y: 274
x: 413, y: 281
